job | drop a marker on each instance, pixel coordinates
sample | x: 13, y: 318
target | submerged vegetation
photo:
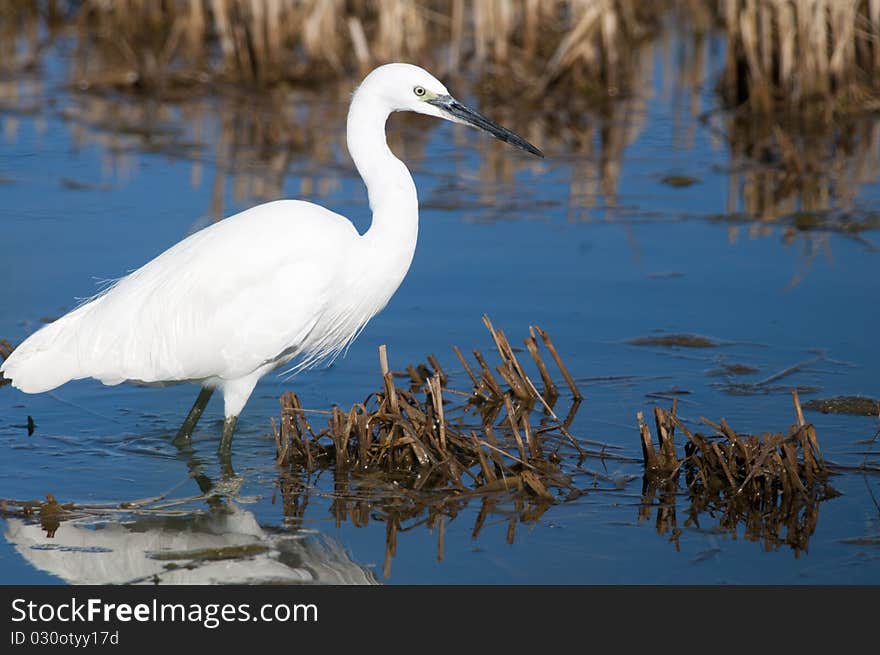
x: 675, y: 340
x: 855, y: 405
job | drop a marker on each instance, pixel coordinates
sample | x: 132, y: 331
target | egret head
x: 405, y: 87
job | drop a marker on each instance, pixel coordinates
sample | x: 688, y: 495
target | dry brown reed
x: 497, y: 48
x: 771, y: 484
x: 789, y: 51
x: 744, y: 464
x: 6, y: 349
x: 418, y: 453
x: 824, y: 54
x: 581, y: 70
x: 181, y: 42
x: 428, y: 434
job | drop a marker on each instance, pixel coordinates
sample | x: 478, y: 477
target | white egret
x: 285, y: 281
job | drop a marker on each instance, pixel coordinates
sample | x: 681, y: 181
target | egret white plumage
x: 285, y: 281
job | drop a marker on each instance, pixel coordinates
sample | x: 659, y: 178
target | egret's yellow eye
x: 419, y: 91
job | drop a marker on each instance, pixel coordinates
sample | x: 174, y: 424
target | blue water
x: 593, y: 267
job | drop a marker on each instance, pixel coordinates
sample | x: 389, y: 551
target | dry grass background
x: 777, y: 50
x: 582, y: 73
x: 178, y: 42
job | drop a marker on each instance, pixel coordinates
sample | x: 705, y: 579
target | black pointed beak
x: 463, y: 114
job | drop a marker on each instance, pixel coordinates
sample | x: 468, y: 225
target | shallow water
x: 597, y: 248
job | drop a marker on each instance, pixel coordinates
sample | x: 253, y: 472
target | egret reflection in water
x: 227, y: 546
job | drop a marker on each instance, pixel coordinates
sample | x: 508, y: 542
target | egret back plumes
x: 220, y: 303
x: 283, y: 282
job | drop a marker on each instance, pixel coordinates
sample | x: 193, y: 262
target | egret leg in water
x: 283, y: 283
x: 226, y: 437
x: 189, y: 424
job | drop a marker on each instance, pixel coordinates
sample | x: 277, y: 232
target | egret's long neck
x: 390, y: 186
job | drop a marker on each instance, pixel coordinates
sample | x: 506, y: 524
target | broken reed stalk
x: 6, y: 349
x: 648, y: 453
x: 663, y: 462
x: 437, y: 398
x: 409, y: 431
x: 523, y: 385
x: 551, y: 393
x: 556, y: 358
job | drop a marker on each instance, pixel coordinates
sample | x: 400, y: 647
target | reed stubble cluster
x: 772, y: 484
x: 431, y: 436
x: 418, y: 452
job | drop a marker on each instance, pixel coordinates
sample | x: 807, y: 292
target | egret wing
x: 223, y: 302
